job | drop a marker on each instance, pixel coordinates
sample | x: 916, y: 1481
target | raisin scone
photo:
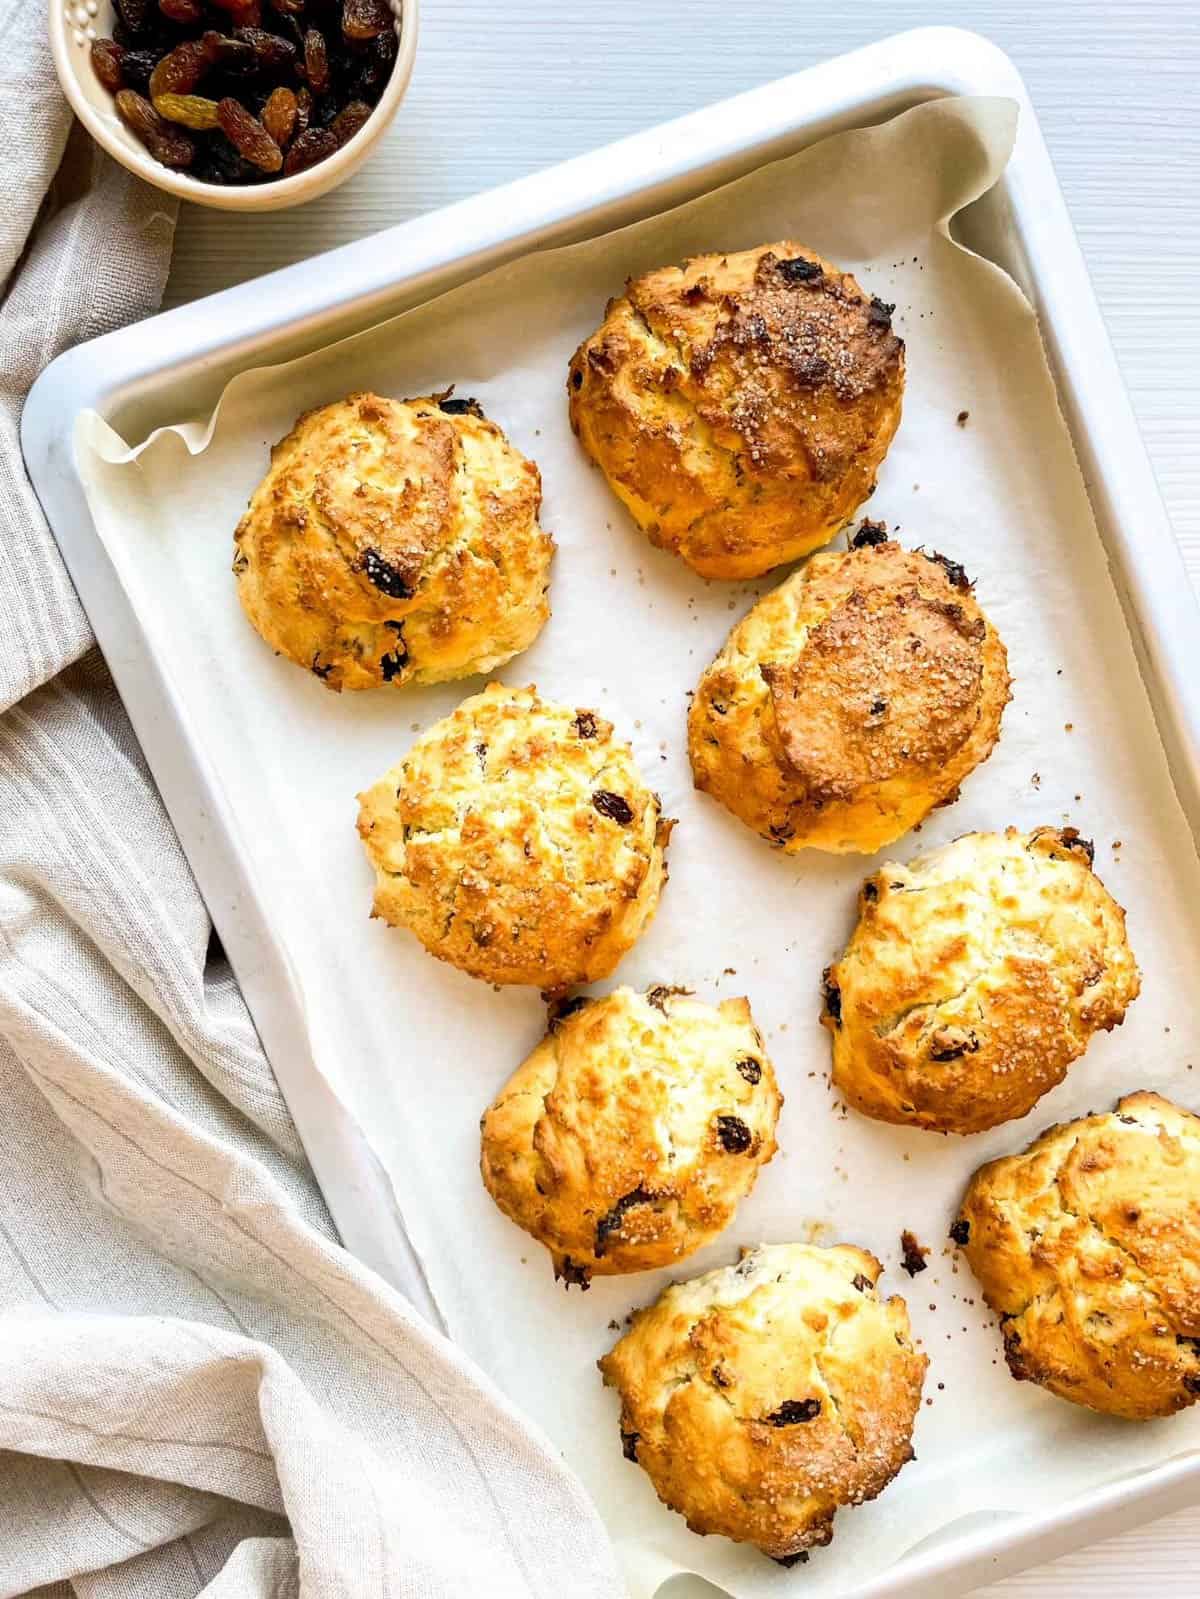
x: 629, y: 1136
x: 851, y: 700
x: 740, y: 405
x: 975, y: 976
x: 1087, y: 1246
x: 395, y: 541
x: 518, y: 841
x: 762, y: 1397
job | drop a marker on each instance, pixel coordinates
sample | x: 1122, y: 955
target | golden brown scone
x: 851, y: 700
x: 761, y: 1397
x: 740, y: 405
x: 629, y: 1136
x: 517, y: 840
x: 395, y: 541
x: 1088, y: 1247
x: 975, y: 976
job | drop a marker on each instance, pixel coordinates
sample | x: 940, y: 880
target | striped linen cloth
x: 200, y: 1391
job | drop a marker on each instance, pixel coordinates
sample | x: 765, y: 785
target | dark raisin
x: 800, y: 1558
x: 613, y: 806
x: 570, y: 1274
x: 799, y: 270
x: 135, y: 14
x: 228, y: 54
x: 912, y: 1253
x: 451, y: 405
x: 870, y: 891
x: 833, y: 996
x: 661, y: 993
x: 1191, y: 1382
x: 559, y: 1009
x: 961, y: 1231
x: 577, y: 378
x: 720, y: 1378
x: 1071, y: 838
x: 248, y: 136
x: 384, y: 575
x: 166, y: 143
x: 955, y: 573
x: 321, y: 671
x: 733, y: 1134
x: 136, y: 67
x: 316, y: 61
x: 304, y: 105
x: 307, y: 149
x: 106, y: 63
x: 611, y: 1221
x: 218, y: 162
x: 273, y: 52
x: 863, y: 1284
x: 181, y: 69
x: 186, y: 12
x: 793, y: 1411
x: 750, y: 1070
x: 869, y: 533
x: 1130, y: 1121
x: 880, y: 313
x: 585, y: 724
x: 288, y: 8
x: 391, y: 665
x: 629, y: 1443
x: 279, y: 115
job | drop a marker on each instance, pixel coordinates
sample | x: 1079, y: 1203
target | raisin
x: 316, y: 61
x: 233, y: 55
x: 185, y: 12
x: 390, y: 665
x: 793, y: 1411
x: 165, y: 143
x: 318, y: 670
x: 218, y: 162
x: 880, y: 313
x: 135, y: 14
x: 750, y: 1070
x: 833, y: 996
x: 862, y: 1283
x: 629, y: 1443
x: 181, y: 69
x: 733, y: 1134
x: 279, y: 115
x: 307, y: 148
x: 447, y: 403
x: 799, y: 270
x: 1071, y: 838
x: 106, y: 63
x: 136, y: 67
x: 376, y: 68
x: 304, y: 105
x: 585, y: 724
x: 613, y: 806
x: 288, y: 8
x: 611, y: 1221
x: 961, y: 1231
x: 869, y: 533
x: 569, y: 1273
x: 870, y: 891
x: 192, y: 110
x: 384, y: 575
x: 349, y: 120
x: 365, y: 19
x: 800, y: 1558
x: 558, y: 1010
x: 248, y: 136
x: 913, y: 1253
x: 274, y: 53
x: 954, y: 572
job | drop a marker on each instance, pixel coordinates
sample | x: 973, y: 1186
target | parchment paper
x: 418, y: 1049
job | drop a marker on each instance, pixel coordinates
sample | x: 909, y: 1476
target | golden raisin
x: 363, y: 19
x: 316, y: 61
x: 279, y: 115
x: 192, y: 110
x: 181, y: 69
x: 106, y: 63
x: 166, y: 143
x: 248, y: 136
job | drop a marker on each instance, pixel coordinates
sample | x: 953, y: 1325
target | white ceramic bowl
x: 75, y: 23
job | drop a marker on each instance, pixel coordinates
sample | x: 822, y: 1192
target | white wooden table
x: 504, y: 89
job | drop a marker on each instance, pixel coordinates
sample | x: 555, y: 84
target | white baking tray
x: 135, y: 380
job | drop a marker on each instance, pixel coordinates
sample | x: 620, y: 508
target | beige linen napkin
x: 199, y: 1390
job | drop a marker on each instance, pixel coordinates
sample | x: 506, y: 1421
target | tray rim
x: 318, y: 300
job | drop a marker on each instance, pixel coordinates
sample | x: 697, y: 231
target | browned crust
x: 759, y: 1405
x: 850, y: 701
x: 393, y: 542
x: 974, y: 977
x: 1087, y: 1245
x: 629, y: 1136
x: 740, y: 405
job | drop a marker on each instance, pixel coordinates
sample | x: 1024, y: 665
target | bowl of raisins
x: 250, y: 105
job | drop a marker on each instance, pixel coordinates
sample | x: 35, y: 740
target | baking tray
x: 1022, y: 225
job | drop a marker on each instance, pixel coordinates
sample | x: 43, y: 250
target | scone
x: 1087, y: 1246
x: 761, y: 1397
x: 740, y: 405
x: 851, y: 700
x: 975, y: 976
x: 628, y: 1137
x: 395, y: 541
x: 518, y: 841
